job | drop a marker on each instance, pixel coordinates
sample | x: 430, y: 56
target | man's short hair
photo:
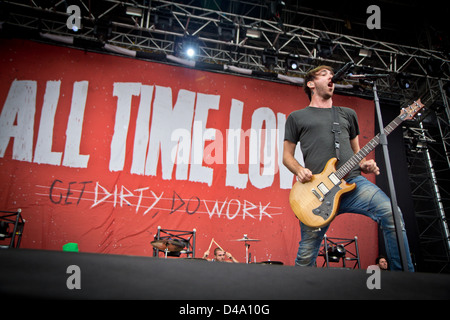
x: 311, y: 75
x: 377, y: 260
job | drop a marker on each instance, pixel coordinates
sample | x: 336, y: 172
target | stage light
x: 190, y: 46
x: 253, y: 33
x: 190, y: 52
x: 336, y: 252
x: 103, y: 29
x: 269, y: 59
x: 226, y: 30
x: 324, y: 47
x: 433, y: 68
x: 420, y: 145
x: 365, y: 53
x: 403, y: 80
x: 275, y: 8
x: 4, y: 230
x: 163, y: 19
x: 292, y: 61
x: 133, y: 11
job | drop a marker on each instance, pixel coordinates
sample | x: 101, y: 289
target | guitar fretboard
x: 361, y: 154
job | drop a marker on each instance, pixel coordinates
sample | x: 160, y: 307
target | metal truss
x: 160, y: 26
x: 427, y: 141
x: 250, y: 35
x: 431, y: 200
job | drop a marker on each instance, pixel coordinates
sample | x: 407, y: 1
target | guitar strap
x: 336, y: 130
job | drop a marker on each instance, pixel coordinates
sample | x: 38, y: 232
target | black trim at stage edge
x: 40, y: 274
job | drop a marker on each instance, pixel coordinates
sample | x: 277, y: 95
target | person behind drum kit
x: 220, y: 256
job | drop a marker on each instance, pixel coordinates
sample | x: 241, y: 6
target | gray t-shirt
x: 313, y: 128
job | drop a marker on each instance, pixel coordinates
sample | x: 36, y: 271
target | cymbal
x: 170, y: 245
x: 246, y: 239
x: 272, y: 262
x: 194, y: 259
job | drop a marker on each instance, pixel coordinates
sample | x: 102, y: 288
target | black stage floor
x: 39, y: 274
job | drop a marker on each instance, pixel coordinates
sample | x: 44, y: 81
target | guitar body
x: 315, y: 203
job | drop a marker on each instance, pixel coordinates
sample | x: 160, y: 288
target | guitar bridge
x: 314, y: 191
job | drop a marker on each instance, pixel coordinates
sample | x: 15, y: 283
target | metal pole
x: 395, y: 209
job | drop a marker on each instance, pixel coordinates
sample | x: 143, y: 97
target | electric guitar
x: 316, y: 202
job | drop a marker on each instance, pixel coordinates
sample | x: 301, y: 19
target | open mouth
x: 330, y: 84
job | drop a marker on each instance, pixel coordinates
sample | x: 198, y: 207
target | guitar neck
x: 363, y: 152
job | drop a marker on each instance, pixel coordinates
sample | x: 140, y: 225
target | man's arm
x: 367, y: 166
x: 303, y: 174
x: 233, y: 259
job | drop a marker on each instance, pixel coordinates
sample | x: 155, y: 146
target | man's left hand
x: 369, y: 166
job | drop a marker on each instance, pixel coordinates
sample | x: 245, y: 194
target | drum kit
x: 168, y: 245
x: 176, y: 246
x: 246, y: 241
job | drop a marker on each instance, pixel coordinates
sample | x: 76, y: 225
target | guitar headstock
x: 410, y: 111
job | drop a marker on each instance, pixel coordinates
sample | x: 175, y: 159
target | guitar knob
x: 328, y: 203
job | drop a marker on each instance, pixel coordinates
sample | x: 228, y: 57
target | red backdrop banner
x: 101, y: 150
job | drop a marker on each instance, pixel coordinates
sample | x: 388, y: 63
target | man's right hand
x: 304, y: 175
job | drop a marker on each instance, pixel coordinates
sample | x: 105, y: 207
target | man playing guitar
x: 313, y: 128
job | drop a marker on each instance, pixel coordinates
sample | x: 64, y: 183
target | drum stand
x: 245, y: 239
x: 172, y: 242
x: 247, y: 246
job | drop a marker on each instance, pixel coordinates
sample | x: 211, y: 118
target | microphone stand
x: 371, y: 80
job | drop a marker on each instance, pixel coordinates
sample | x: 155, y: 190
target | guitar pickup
x: 314, y: 191
x: 322, y: 188
x: 335, y: 180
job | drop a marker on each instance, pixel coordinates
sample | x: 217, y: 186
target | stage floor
x: 56, y: 275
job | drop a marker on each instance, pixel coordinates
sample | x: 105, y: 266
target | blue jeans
x: 366, y: 199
